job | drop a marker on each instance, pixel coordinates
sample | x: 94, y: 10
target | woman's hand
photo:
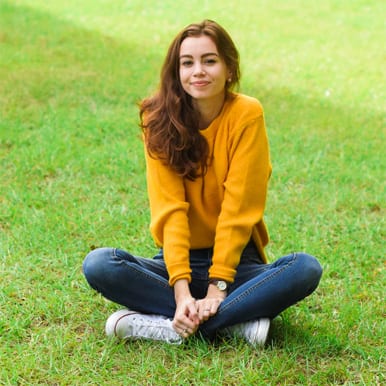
x: 186, y: 320
x: 209, y: 305
x: 190, y: 313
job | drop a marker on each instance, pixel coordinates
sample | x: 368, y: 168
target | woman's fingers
x: 207, y: 307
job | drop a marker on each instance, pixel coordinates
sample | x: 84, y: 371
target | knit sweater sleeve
x: 245, y: 191
x: 169, y: 220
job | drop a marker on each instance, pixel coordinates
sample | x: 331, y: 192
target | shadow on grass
x: 50, y: 64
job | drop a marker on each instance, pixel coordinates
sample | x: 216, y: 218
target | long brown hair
x: 169, y: 120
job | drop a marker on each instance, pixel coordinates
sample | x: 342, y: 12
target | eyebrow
x: 202, y: 56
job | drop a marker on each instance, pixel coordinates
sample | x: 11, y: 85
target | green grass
x: 72, y: 178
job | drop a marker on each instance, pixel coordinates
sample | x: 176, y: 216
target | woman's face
x: 203, y: 72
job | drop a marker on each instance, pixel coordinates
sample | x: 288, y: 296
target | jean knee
x: 95, y: 264
x: 311, y: 268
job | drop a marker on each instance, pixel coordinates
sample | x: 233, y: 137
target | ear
x: 230, y: 76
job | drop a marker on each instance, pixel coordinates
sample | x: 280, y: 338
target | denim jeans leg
x: 135, y: 282
x: 265, y: 290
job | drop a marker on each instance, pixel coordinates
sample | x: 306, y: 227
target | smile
x: 199, y: 84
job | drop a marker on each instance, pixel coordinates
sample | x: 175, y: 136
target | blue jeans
x: 259, y: 290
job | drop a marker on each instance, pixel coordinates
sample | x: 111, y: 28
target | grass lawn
x: 72, y: 178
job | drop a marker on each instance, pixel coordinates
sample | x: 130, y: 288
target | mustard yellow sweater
x: 223, y: 209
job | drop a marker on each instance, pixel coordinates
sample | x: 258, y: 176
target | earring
x: 229, y: 80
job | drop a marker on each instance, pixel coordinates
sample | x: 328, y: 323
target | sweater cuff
x: 177, y: 272
x: 222, y: 272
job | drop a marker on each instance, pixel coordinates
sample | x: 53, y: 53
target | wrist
x: 221, y: 284
x: 214, y: 292
x: 181, y: 290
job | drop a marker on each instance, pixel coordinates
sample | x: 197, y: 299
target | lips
x: 200, y: 84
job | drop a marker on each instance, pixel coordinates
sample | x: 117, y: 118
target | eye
x: 210, y: 61
x: 186, y: 63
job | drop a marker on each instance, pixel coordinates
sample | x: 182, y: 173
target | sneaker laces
x: 155, y: 327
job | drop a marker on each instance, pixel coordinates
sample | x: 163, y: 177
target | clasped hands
x: 190, y: 312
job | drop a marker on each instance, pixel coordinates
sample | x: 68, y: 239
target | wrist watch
x: 222, y: 285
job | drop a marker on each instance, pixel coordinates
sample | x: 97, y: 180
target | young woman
x: 208, y: 168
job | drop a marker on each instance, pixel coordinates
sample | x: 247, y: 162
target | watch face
x: 221, y: 285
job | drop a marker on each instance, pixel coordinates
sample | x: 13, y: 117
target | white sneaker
x: 127, y: 324
x: 255, y: 332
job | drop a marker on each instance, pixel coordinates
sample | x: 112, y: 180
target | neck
x: 209, y: 110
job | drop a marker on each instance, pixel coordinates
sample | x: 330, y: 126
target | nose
x: 198, y: 70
